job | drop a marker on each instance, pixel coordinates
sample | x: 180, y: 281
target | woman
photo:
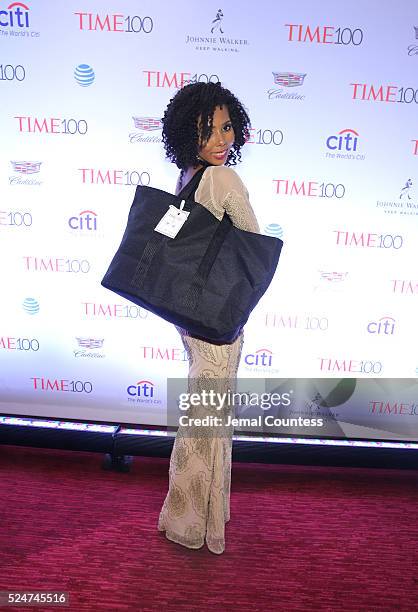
x: 205, y: 125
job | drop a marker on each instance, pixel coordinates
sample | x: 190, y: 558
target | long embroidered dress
x: 196, y: 507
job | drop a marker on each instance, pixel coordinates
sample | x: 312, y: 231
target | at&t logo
x: 274, y: 229
x: 84, y: 75
x: 86, y: 220
x: 385, y: 326
x: 31, y: 306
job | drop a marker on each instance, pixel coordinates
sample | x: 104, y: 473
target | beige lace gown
x: 196, y: 507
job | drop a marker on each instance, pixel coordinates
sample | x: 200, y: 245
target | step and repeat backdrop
x: 331, y: 167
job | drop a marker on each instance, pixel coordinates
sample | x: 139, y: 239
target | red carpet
x: 300, y: 538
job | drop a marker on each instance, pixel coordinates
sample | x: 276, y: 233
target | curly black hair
x: 194, y: 105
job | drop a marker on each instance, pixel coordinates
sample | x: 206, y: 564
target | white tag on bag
x: 173, y: 221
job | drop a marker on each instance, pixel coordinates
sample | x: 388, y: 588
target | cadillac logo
x: 26, y: 167
x: 288, y: 79
x: 90, y: 343
x: 148, y: 123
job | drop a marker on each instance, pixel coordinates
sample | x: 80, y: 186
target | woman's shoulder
x: 222, y: 172
x: 224, y: 176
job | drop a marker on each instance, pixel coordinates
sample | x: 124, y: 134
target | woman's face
x: 216, y: 150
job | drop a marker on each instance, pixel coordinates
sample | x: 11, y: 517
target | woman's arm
x: 221, y: 189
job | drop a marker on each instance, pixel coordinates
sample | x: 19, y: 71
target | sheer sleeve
x: 220, y: 190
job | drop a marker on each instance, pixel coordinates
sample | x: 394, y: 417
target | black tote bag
x: 207, y: 279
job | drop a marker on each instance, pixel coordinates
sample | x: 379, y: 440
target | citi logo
x: 16, y: 15
x: 86, y: 220
x: 262, y: 358
x: 143, y: 389
x: 384, y: 326
x: 346, y: 140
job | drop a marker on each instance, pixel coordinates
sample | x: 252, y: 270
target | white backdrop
x: 331, y: 167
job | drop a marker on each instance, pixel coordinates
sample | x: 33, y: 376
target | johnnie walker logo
x: 217, y: 38
x: 413, y: 49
